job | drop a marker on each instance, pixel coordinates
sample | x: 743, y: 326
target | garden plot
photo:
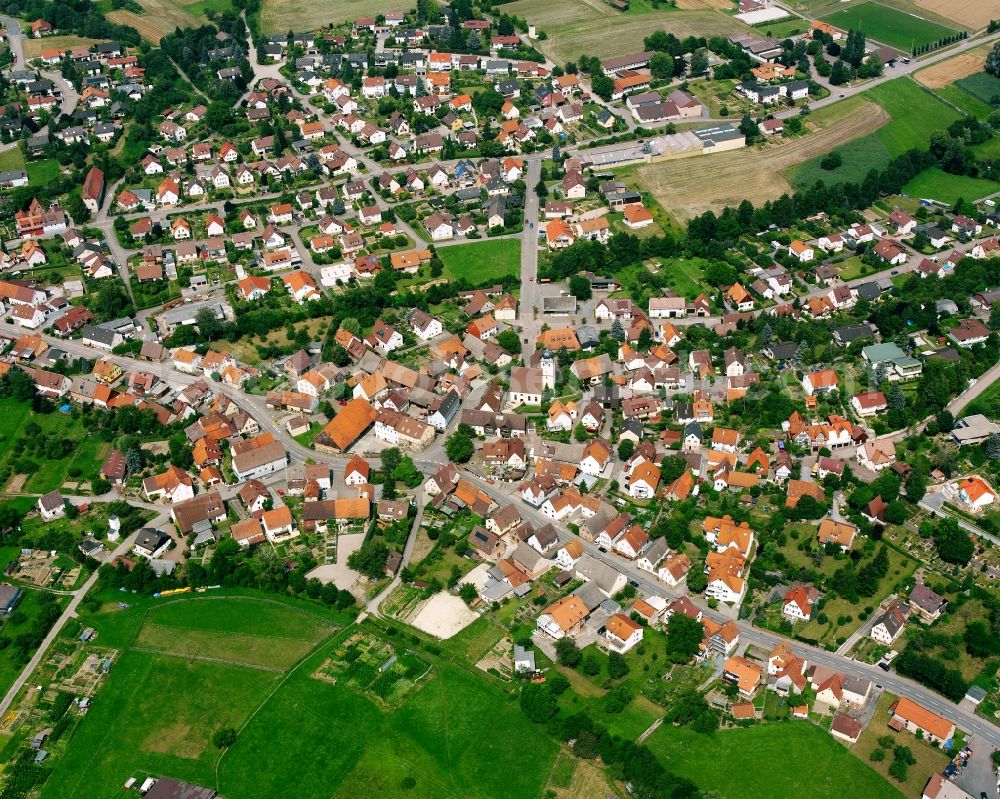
x: 373, y: 667
x: 498, y: 661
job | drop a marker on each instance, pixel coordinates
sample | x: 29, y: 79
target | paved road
x: 530, y: 299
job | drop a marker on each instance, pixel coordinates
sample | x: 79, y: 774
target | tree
x: 369, y: 559
x: 579, y: 287
x: 509, y: 340
x: 208, y: 324
x: 895, y: 398
x: 699, y: 62
x: 840, y: 73
x: 992, y: 446
x: 661, y: 66
x: 684, y: 637
x: 749, y: 128
x: 408, y: 473
x: 953, y: 544
x: 567, y: 652
x: 603, y: 86
x: 468, y: 593
x: 697, y: 581
x: 224, y: 737
x: 993, y: 61
x: 854, y: 48
x: 625, y: 448
x: 591, y: 664
x: 580, y: 432
x: 459, y: 446
x: 617, y: 331
x: 617, y: 667
x: 538, y: 703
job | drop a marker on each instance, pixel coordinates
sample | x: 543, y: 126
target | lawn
x: 988, y: 149
x: 788, y: 759
x: 478, y: 261
x: 981, y: 85
x: 935, y: 184
x: 784, y: 28
x: 44, y: 171
x: 156, y: 714
x: 11, y: 159
x: 889, y: 25
x: 273, y: 637
x: 915, y: 113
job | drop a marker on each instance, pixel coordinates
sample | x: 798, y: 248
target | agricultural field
x: 690, y: 186
x: 729, y: 762
x: 577, y: 27
x: 951, y: 69
x: 936, y: 184
x: 969, y: 15
x: 280, y: 16
x: 160, y: 17
x: 914, y: 114
x: 889, y: 25
x: 482, y: 260
x: 33, y: 47
x: 981, y: 85
x: 962, y: 99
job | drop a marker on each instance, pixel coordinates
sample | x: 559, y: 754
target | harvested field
x: 575, y: 27
x: 280, y: 16
x: 160, y: 17
x: 690, y: 186
x: 33, y: 47
x: 969, y: 15
x: 952, y: 69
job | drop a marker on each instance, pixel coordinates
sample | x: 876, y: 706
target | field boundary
x: 206, y: 659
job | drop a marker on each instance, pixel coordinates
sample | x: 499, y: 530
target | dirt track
x: 689, y: 186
